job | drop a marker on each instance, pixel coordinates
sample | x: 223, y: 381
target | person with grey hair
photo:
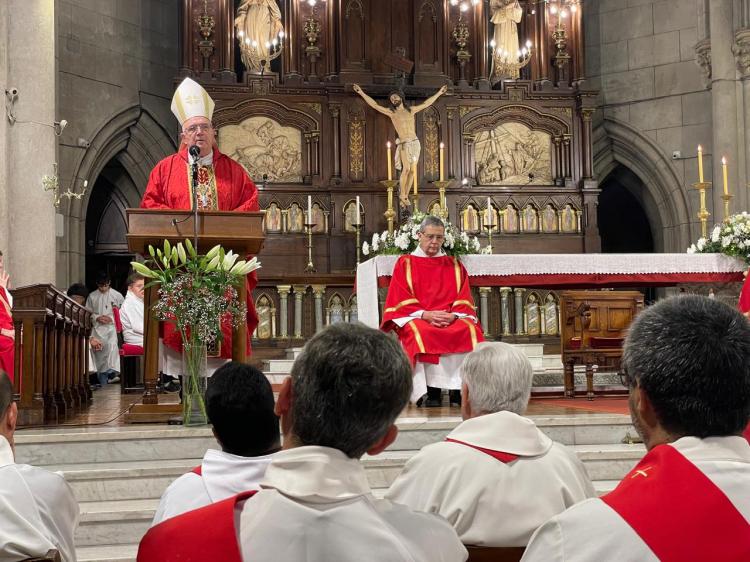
x: 686, y: 362
x: 344, y: 394
x: 431, y: 309
x: 496, y: 477
x: 38, y: 511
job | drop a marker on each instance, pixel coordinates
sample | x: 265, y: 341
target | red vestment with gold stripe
x: 7, y: 335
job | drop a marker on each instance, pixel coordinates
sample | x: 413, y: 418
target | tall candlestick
x: 390, y: 161
x: 357, y: 221
x: 490, y: 218
x: 414, y: 168
x: 309, y: 209
x: 724, y: 173
x: 700, y: 163
x: 442, y: 161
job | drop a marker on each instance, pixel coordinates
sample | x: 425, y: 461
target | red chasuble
x: 7, y: 336
x: 200, y: 535
x: 679, y: 512
x: 744, y: 303
x: 227, y: 188
x: 439, y: 283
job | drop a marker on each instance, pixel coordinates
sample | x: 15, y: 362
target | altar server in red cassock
x: 429, y: 305
x: 688, y: 363
x: 7, y: 331
x: 222, y: 185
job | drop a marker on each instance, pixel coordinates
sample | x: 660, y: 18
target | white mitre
x: 191, y: 100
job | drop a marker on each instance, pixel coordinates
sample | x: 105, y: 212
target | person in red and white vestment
x: 222, y: 185
x: 429, y: 305
x: 687, y: 360
x: 744, y: 302
x: 7, y: 331
x: 496, y: 477
x: 315, y: 504
x: 239, y: 397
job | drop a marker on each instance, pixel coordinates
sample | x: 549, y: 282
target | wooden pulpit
x: 239, y: 232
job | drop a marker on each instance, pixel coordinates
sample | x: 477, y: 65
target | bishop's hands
x: 439, y: 318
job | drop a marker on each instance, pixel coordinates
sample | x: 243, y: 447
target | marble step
x: 293, y: 352
x: 114, y: 522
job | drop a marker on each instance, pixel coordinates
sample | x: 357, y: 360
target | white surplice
x: 38, y: 511
x: 446, y: 372
x: 592, y: 531
x: 222, y: 475
x: 101, y: 304
x: 131, y: 316
x: 488, y: 502
x: 315, y: 504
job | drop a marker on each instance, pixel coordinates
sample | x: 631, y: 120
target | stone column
x: 505, y: 309
x: 520, y: 331
x: 484, y: 308
x: 284, y: 291
x: 588, y: 161
x: 318, y: 291
x: 299, y: 292
x: 723, y: 104
x: 741, y: 199
x: 31, y: 147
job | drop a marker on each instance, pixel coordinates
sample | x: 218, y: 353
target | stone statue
x: 549, y: 219
x: 470, y: 219
x: 259, y: 21
x: 533, y: 325
x: 296, y: 220
x: 273, y: 218
x: 505, y: 16
x: 550, y: 316
x: 510, y: 219
x: 407, y: 144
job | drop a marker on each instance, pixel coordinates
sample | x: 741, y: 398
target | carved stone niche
x: 513, y: 145
x: 270, y: 140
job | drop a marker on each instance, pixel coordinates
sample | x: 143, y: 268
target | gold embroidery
x: 458, y: 274
x: 417, y: 337
x: 464, y: 301
x: 408, y: 276
x: 401, y: 304
x: 208, y: 197
x: 472, y: 331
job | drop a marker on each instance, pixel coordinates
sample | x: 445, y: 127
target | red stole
x: 504, y: 458
x: 679, y: 513
x: 438, y: 283
x: 200, y: 535
x: 7, y: 336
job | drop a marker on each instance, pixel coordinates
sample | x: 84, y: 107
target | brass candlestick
x: 415, y: 202
x: 390, y: 213
x: 441, y: 185
x: 489, y: 228
x: 727, y: 198
x: 358, y: 229
x: 310, y: 267
x: 703, y: 214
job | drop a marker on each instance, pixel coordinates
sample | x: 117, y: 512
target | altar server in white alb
x: 687, y: 360
x: 496, y: 477
x: 239, y: 404
x: 38, y: 512
x: 131, y: 313
x: 101, y: 301
x: 315, y: 504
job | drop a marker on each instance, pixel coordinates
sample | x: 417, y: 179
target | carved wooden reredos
x: 525, y: 143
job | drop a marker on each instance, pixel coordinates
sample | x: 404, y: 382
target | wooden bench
x: 51, y: 556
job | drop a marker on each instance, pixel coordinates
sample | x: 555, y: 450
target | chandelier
x: 509, y: 65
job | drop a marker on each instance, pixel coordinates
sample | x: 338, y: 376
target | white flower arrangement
x: 405, y: 240
x: 731, y: 237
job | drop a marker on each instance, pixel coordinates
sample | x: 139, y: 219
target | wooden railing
x: 51, y: 368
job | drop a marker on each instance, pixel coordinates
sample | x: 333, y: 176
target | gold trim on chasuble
x: 208, y: 197
x: 417, y: 336
x: 408, y: 275
x: 472, y: 331
x: 464, y: 301
x: 457, y: 269
x: 401, y: 305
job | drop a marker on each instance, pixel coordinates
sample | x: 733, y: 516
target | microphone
x: 194, y: 151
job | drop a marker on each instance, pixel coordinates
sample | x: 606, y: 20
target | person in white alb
x: 131, y: 312
x: 239, y: 404
x: 496, y: 477
x: 315, y: 505
x: 38, y: 511
x: 101, y: 301
x: 686, y: 361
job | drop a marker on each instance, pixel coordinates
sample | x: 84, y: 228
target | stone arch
x: 135, y: 140
x: 663, y: 197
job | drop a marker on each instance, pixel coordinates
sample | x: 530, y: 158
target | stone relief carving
x: 470, y: 219
x: 263, y: 146
x: 568, y: 219
x: 741, y: 50
x: 273, y: 218
x: 703, y: 59
x: 550, y: 312
x: 513, y: 154
x: 266, y: 325
x: 549, y: 219
x: 510, y: 219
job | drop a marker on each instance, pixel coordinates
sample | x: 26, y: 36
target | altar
x: 517, y: 273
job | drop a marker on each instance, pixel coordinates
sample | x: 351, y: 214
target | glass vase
x: 194, y: 384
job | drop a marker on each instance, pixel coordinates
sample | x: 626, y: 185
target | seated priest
x: 344, y: 394
x: 429, y: 305
x: 496, y: 477
x: 223, y: 185
x: 7, y: 330
x: 239, y: 404
x: 38, y: 511
x: 687, y: 362
x: 131, y: 313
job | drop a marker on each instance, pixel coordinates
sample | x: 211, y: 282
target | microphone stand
x: 194, y: 172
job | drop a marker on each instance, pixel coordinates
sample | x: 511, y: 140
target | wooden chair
x: 495, y: 553
x: 51, y: 556
x: 131, y: 359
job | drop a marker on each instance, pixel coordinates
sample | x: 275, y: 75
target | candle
x: 357, y: 220
x: 724, y: 173
x: 390, y: 161
x: 442, y: 161
x: 490, y: 218
x: 700, y: 163
x: 414, y: 168
x: 309, y: 209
